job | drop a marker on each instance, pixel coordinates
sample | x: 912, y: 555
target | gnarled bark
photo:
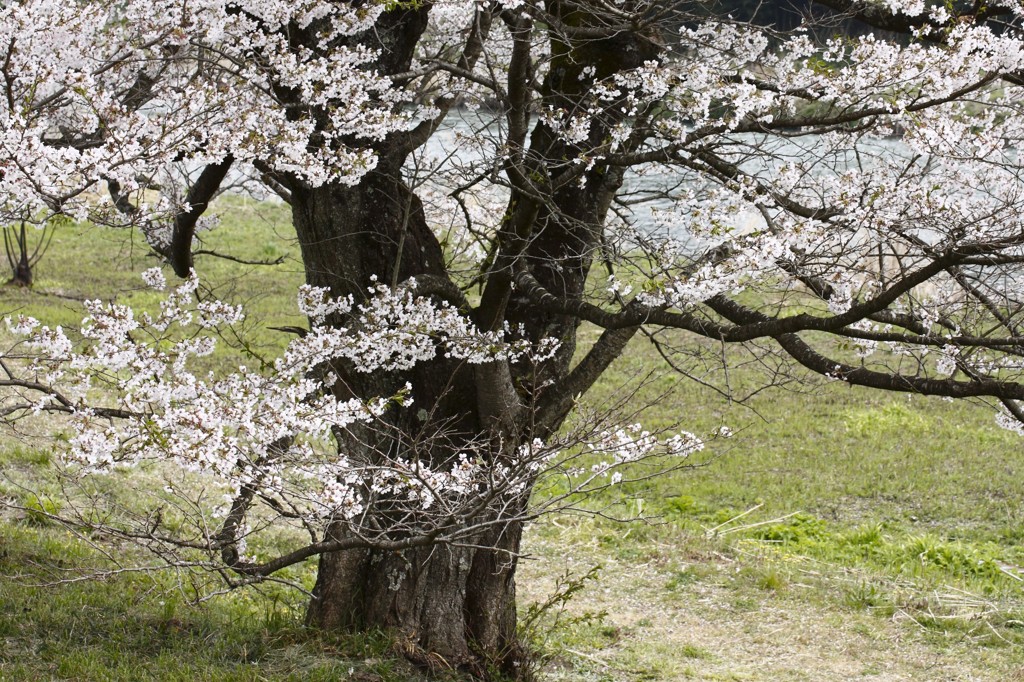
x: 450, y: 605
x: 453, y: 604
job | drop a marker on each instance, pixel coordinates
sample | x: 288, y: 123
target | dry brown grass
x: 717, y: 628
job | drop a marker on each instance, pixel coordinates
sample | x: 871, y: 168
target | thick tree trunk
x: 449, y: 606
x: 453, y: 605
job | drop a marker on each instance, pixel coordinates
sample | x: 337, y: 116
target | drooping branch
x: 746, y: 330
x: 862, y: 376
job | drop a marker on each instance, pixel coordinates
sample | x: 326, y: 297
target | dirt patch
x: 708, y: 629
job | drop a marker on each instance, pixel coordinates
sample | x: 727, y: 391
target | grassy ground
x: 841, y: 534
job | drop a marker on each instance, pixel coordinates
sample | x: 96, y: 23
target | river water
x: 469, y: 142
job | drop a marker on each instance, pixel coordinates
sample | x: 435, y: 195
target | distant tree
x: 22, y: 254
x: 850, y: 206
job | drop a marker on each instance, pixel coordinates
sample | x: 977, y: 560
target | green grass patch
x: 141, y: 626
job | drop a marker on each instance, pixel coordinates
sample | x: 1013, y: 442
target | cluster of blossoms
x: 96, y: 94
x: 395, y: 330
x: 631, y: 444
x: 848, y: 73
x: 466, y: 481
x: 1010, y: 422
x: 133, y: 396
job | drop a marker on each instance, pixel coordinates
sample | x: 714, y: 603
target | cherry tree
x: 850, y: 205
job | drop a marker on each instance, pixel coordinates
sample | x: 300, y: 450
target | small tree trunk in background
x: 17, y: 256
